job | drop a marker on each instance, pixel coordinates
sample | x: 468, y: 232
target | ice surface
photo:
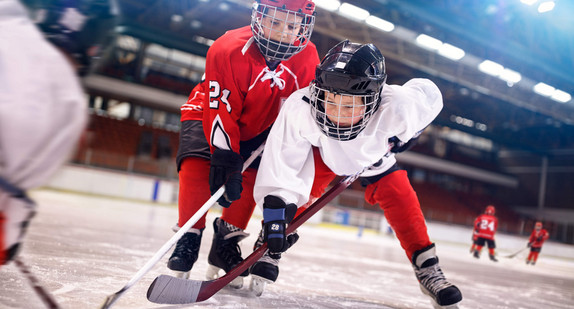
x: 85, y: 248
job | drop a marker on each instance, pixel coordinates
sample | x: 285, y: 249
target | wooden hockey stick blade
x: 111, y: 299
x: 171, y: 290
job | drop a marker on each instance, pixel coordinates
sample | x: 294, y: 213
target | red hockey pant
x: 194, y: 192
x: 397, y: 199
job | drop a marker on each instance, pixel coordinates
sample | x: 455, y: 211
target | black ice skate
x: 225, y: 252
x: 492, y: 258
x: 185, y: 253
x: 476, y: 254
x: 443, y: 294
x: 263, y: 272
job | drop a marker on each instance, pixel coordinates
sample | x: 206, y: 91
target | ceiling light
x: 329, y: 5
x: 490, y: 67
x: 543, y: 89
x: 428, y: 42
x: 528, y: 2
x: 451, y: 52
x: 561, y: 96
x: 510, y: 76
x: 380, y: 23
x: 546, y: 6
x: 354, y: 12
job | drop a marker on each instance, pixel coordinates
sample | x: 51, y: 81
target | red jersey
x: 193, y: 108
x: 242, y: 95
x: 538, y: 238
x: 485, y: 226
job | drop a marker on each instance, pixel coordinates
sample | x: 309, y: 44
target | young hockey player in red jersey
x: 249, y: 72
x: 41, y: 117
x: 485, y: 227
x: 347, y: 121
x: 474, y: 239
x: 537, y: 238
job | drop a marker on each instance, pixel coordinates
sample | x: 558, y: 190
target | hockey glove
x: 276, y: 216
x: 529, y: 245
x: 398, y: 146
x: 225, y: 169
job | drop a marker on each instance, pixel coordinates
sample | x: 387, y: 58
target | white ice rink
x: 84, y: 248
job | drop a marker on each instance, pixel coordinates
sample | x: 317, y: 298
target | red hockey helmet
x: 538, y: 225
x: 490, y: 210
x: 292, y: 14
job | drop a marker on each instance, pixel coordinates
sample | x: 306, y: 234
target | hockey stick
x: 35, y: 283
x: 171, y: 290
x: 516, y: 253
x: 111, y: 299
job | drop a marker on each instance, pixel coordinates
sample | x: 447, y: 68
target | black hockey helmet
x: 348, y: 69
x: 81, y: 28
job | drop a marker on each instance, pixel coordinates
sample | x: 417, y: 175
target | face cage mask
x: 343, y: 129
x: 274, y: 50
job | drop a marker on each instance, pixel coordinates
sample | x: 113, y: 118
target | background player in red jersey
x: 537, y: 238
x: 249, y: 72
x: 485, y: 227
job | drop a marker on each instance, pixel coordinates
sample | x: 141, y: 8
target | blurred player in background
x: 537, y: 238
x: 485, y: 227
x: 347, y: 121
x: 474, y: 239
x: 43, y: 109
x: 249, y: 72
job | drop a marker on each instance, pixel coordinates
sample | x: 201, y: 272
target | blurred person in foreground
x: 535, y: 242
x: 43, y: 109
x: 249, y: 72
x: 346, y: 122
x: 485, y: 226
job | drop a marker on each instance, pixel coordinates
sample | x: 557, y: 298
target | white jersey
x: 43, y: 109
x: 287, y: 169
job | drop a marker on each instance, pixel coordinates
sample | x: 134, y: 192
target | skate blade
x: 258, y: 284
x: 182, y: 274
x: 213, y: 273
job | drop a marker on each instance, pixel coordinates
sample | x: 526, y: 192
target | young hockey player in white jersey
x: 347, y: 121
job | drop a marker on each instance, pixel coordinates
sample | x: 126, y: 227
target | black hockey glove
x: 529, y: 245
x: 276, y: 216
x: 225, y: 169
x: 400, y: 146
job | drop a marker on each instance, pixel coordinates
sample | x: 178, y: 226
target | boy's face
x: 281, y: 26
x: 344, y: 110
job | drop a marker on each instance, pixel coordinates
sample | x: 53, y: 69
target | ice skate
x: 492, y: 258
x: 185, y: 253
x: 476, y: 254
x: 443, y: 294
x: 263, y: 272
x: 225, y: 252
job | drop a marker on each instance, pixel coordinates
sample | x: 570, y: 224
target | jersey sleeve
x: 193, y: 107
x: 414, y: 106
x: 287, y: 167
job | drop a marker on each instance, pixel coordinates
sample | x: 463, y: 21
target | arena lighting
x: 560, y: 96
x: 380, y: 23
x: 451, y: 52
x: 543, y: 89
x: 491, y: 68
x: 510, y: 76
x: 353, y: 12
x: 528, y: 2
x: 329, y: 5
x: 546, y: 6
x: 428, y: 42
